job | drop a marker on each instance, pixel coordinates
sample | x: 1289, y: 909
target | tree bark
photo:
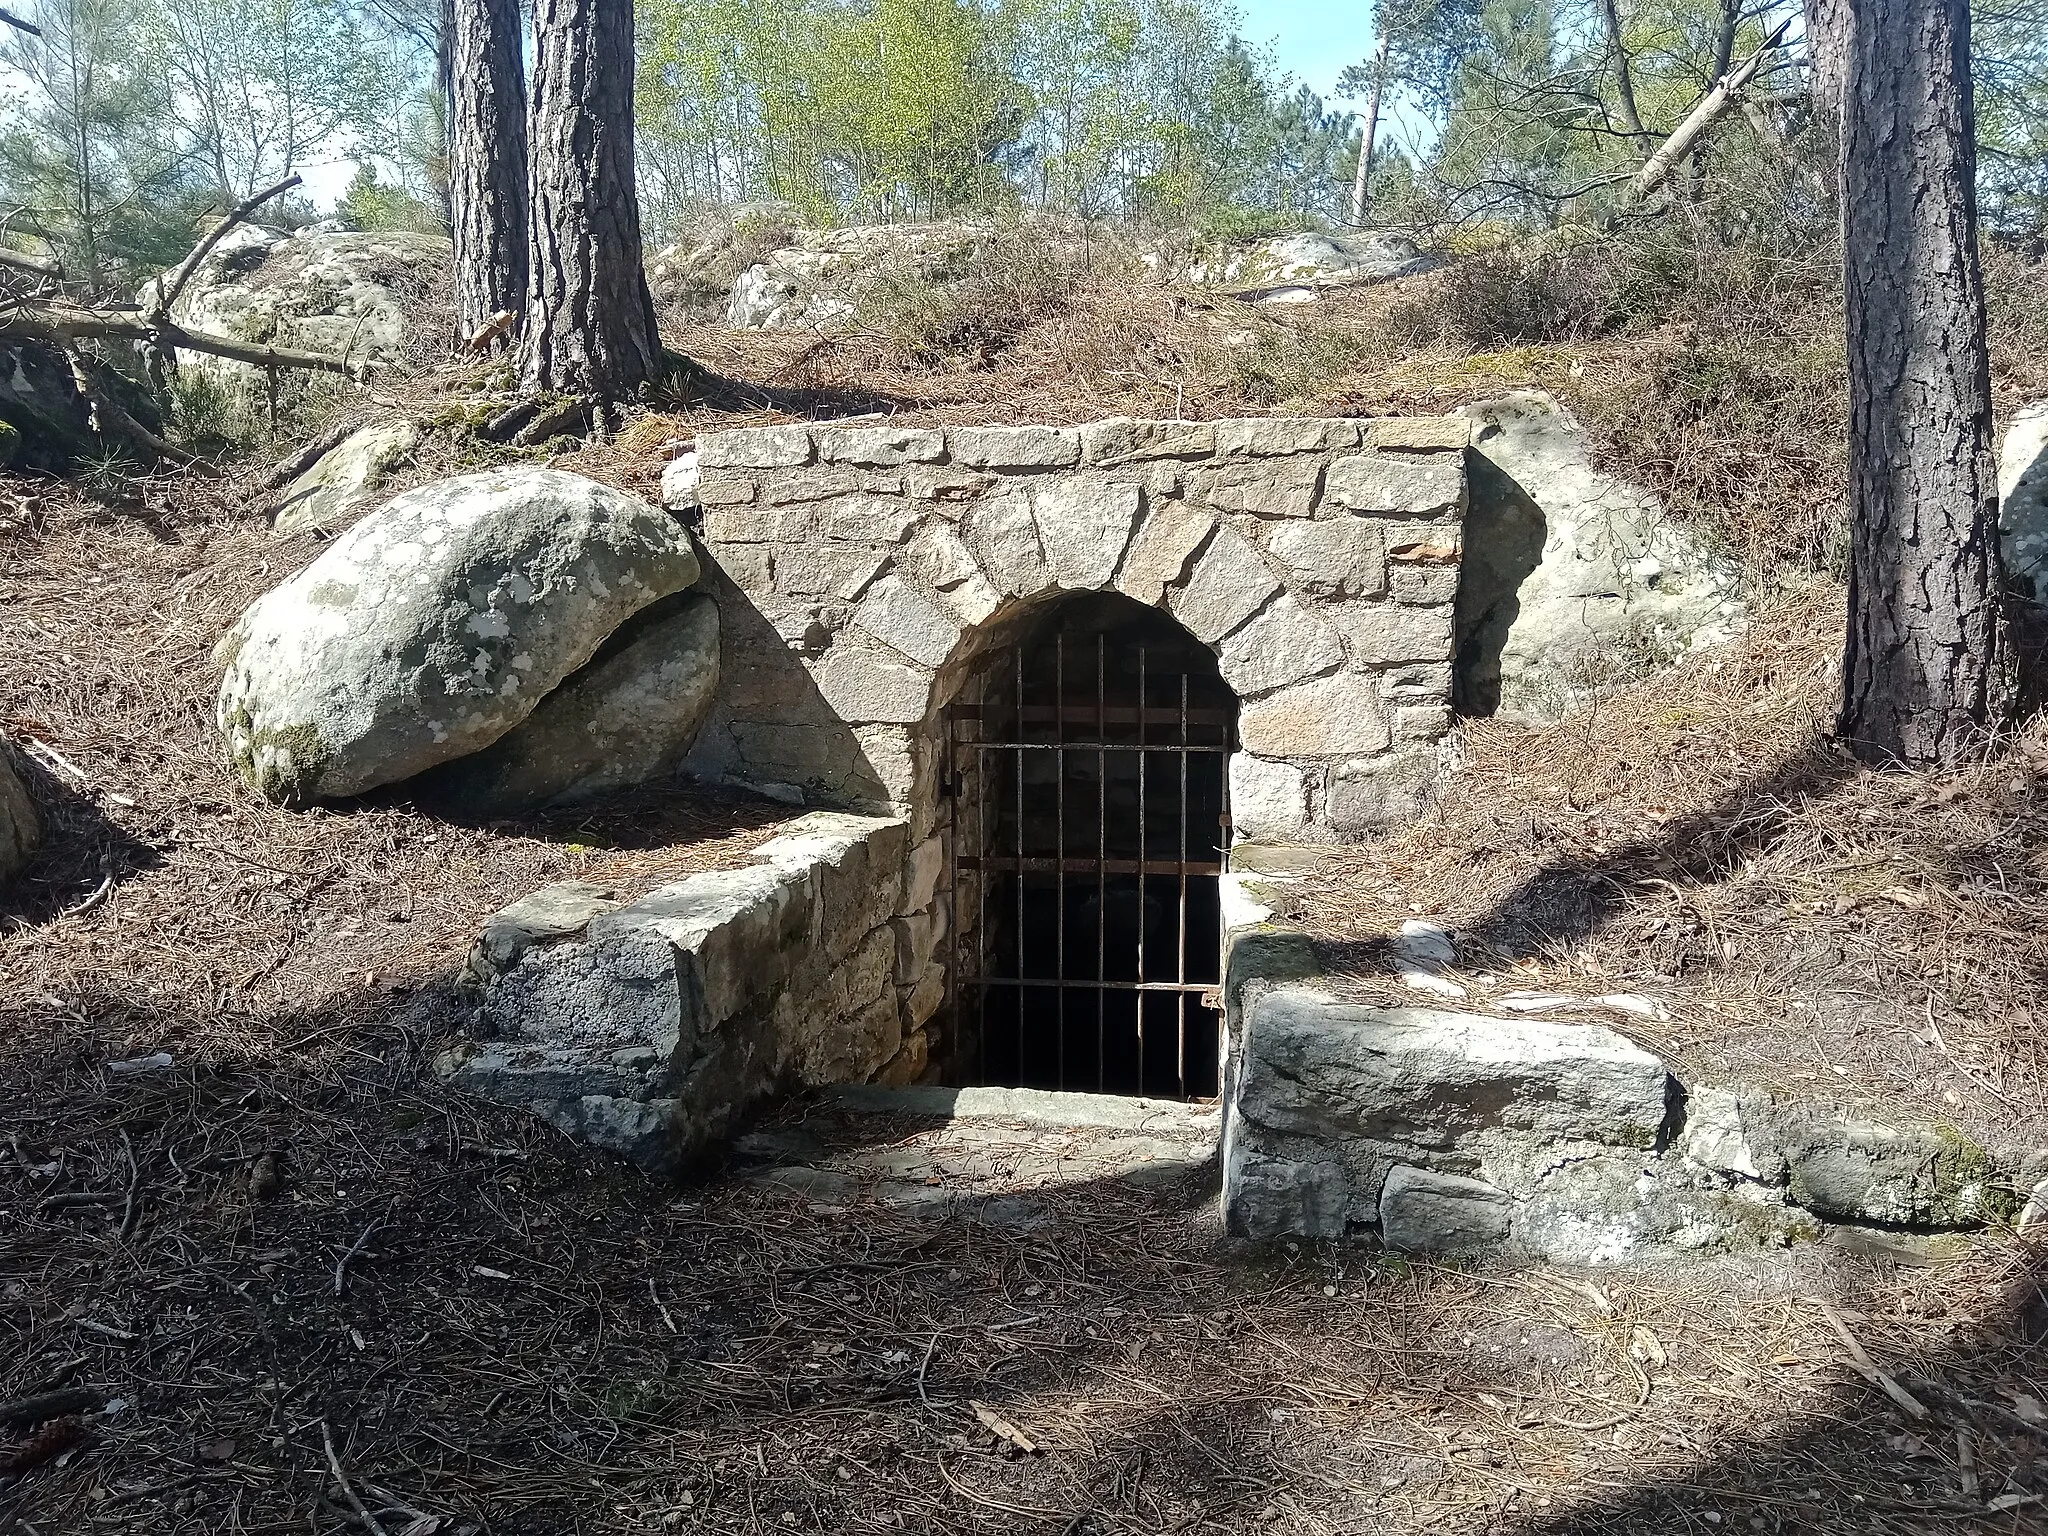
x: 589, y: 323
x: 1828, y: 26
x: 1624, y: 70
x: 1361, y: 182
x: 487, y: 163
x: 1928, y: 664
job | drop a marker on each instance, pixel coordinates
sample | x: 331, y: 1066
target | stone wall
x: 651, y: 1028
x: 1436, y: 1131
x: 858, y: 567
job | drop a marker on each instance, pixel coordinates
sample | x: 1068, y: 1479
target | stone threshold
x: 1033, y: 1106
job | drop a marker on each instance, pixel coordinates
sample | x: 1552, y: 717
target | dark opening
x: 1087, y: 775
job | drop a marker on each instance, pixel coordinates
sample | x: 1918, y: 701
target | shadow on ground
x: 504, y: 1334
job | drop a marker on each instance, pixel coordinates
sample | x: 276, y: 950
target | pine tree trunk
x: 487, y: 162
x: 1927, y: 668
x: 1827, y: 58
x: 589, y: 323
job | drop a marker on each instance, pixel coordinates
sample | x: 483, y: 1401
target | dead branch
x: 13, y: 20
x: 107, y: 414
x: 1712, y: 108
x: 170, y: 286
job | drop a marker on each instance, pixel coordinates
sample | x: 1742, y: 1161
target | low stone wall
x: 1436, y: 1131
x: 651, y: 1027
x: 860, y: 569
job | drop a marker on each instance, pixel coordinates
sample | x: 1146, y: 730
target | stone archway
x: 1317, y: 557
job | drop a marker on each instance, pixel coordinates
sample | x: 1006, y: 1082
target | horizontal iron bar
x: 1087, y: 986
x: 966, y: 745
x: 1009, y: 863
x: 1090, y: 714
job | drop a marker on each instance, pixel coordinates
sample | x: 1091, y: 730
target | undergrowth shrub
x: 970, y: 301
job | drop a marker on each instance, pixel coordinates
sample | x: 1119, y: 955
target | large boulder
x: 2023, y: 502
x: 321, y: 289
x: 343, y: 480
x: 1293, y: 269
x: 626, y: 719
x: 436, y: 625
x: 20, y: 828
x: 1575, y: 580
x: 817, y: 279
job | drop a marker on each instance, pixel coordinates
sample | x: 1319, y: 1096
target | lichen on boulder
x: 436, y: 625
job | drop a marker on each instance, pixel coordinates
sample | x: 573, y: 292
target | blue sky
x: 1311, y: 39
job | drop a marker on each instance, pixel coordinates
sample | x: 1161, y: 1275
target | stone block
x: 556, y: 911
x: 869, y: 519
x: 1003, y: 535
x: 1372, y: 794
x: 679, y: 482
x: 605, y: 1017
x: 1170, y: 534
x: 1419, y: 434
x: 755, y: 448
x: 1380, y: 634
x: 716, y: 490
x: 1421, y: 722
x: 938, y: 555
x: 843, y: 571
x: 869, y: 687
x: 1426, y: 682
x: 927, y: 867
x: 903, y: 618
x: 973, y: 602
x: 880, y: 446
x: 1423, y: 585
x: 1338, y: 716
x: 856, y: 1046
x: 748, y: 567
x: 918, y: 938
x: 1427, y: 487
x: 1120, y: 440
x: 730, y: 925
x: 911, y: 1058
x: 1228, y: 585
x: 944, y: 483
x: 1260, y: 436
x: 1083, y: 528
x: 1015, y: 447
x: 762, y: 526
x: 817, y: 482
x: 1282, y: 644
x: 1844, y: 1168
x: 1425, y: 1212
x: 1268, y: 801
x: 895, y: 760
x: 1332, y: 557
x: 1264, y: 488
x: 1269, y: 1198
x: 1422, y: 1086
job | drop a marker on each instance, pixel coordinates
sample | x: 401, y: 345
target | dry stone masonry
x: 650, y: 1028
x: 856, y: 566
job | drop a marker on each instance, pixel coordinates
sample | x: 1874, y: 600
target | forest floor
x: 290, y: 1232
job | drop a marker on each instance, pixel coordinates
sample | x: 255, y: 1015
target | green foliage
x: 967, y: 305
x: 869, y: 110
x: 371, y: 203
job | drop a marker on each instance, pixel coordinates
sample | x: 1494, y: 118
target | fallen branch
x: 1712, y: 108
x: 49, y: 1405
x: 1881, y: 1379
x: 21, y: 261
x: 354, y: 1502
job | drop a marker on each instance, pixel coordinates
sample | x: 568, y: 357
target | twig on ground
x: 362, y: 1512
x: 1878, y: 1377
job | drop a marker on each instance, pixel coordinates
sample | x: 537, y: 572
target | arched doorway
x: 1085, y: 771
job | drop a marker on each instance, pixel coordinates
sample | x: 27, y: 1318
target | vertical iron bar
x: 1101, y: 861
x: 1143, y: 807
x: 1059, y: 879
x: 1017, y: 672
x: 1180, y: 937
x: 950, y: 782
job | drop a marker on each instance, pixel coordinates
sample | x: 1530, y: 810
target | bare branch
x: 21, y: 261
x: 13, y: 20
x: 168, y: 288
x: 1711, y: 109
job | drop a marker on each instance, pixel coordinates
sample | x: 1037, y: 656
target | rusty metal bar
x: 1083, y: 984
x: 1180, y: 959
x: 1059, y: 885
x: 1101, y: 861
x: 1102, y: 714
x: 1046, y: 864
x: 1142, y: 702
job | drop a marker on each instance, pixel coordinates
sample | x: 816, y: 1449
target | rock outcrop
x: 625, y: 720
x: 1294, y: 269
x: 436, y: 625
x: 52, y: 426
x: 1575, y: 581
x: 344, y: 480
x: 2023, y: 502
x: 816, y: 280
x: 321, y: 289
x: 21, y: 829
